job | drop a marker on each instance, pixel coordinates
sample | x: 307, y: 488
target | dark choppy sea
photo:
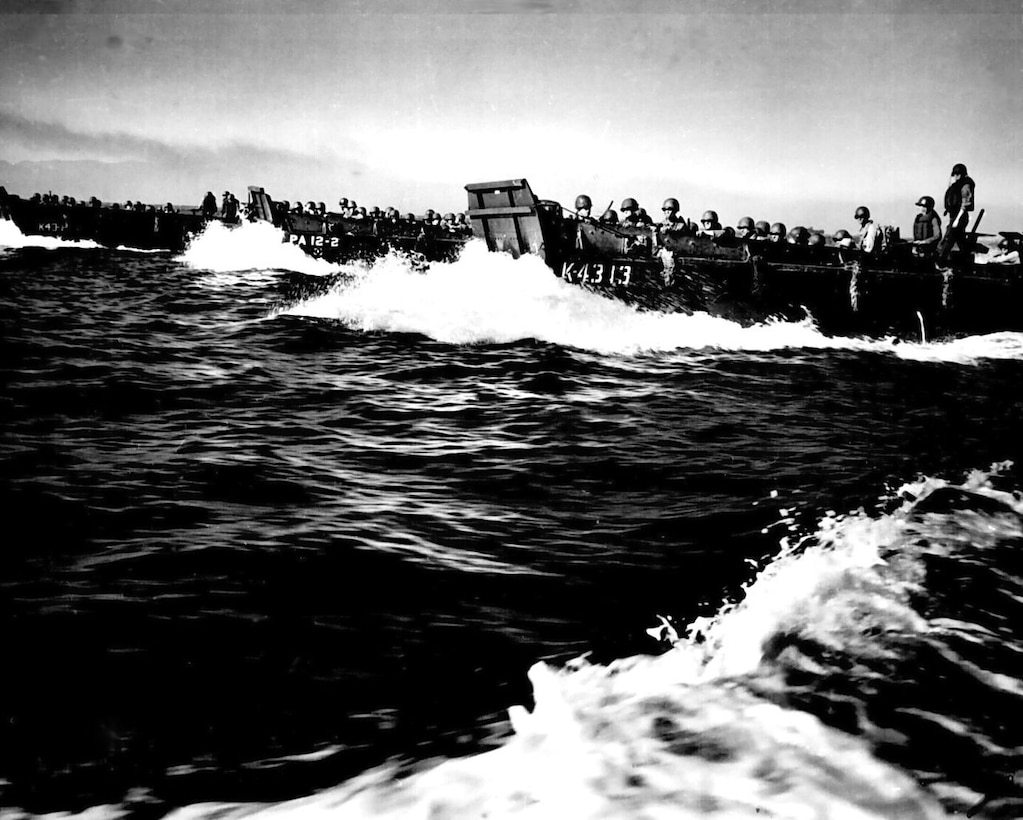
x: 477, y: 543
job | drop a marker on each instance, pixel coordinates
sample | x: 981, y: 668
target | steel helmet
x: 286, y: 205
x: 321, y: 206
x: 343, y: 202
x: 959, y: 170
x: 709, y: 216
x: 582, y: 201
x: 841, y: 234
x: 375, y: 211
x: 670, y: 204
x: 361, y: 211
x: 863, y: 212
x: 449, y: 217
x: 430, y: 213
x: 310, y: 205
x: 459, y: 218
x: 926, y: 201
x: 611, y: 217
x: 762, y: 227
x: 778, y: 229
x: 815, y: 239
x: 799, y: 235
x: 745, y: 224
x: 629, y: 204
x: 410, y: 217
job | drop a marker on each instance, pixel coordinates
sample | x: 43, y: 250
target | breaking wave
x: 487, y: 297
x: 800, y: 699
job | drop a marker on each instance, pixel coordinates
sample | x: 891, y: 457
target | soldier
x: 710, y: 225
x: 209, y: 206
x: 583, y: 207
x: 926, y: 227
x: 777, y: 232
x: 630, y: 209
x: 763, y: 229
x: 869, y: 233
x: 745, y: 229
x: 673, y: 222
x: 959, y: 203
x: 799, y: 236
x: 842, y: 238
x: 230, y: 207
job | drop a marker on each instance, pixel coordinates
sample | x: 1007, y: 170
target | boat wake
x: 250, y: 246
x: 487, y: 298
x: 825, y: 690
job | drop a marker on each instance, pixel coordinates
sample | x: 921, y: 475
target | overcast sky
x: 780, y: 110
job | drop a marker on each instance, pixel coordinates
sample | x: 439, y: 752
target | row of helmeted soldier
x: 455, y: 224
x: 871, y: 238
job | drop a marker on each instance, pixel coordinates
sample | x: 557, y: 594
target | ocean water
x: 287, y: 539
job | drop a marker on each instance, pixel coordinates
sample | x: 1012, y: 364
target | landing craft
x: 843, y: 289
x: 337, y: 239
x: 112, y: 227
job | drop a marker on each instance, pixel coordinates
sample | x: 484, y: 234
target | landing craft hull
x: 842, y: 290
x: 111, y: 227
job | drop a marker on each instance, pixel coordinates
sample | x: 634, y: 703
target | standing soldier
x: 926, y: 227
x: 209, y: 206
x: 959, y: 203
x: 869, y: 231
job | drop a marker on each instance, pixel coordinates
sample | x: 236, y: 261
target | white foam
x: 685, y: 735
x: 250, y: 246
x: 492, y: 298
x: 12, y: 237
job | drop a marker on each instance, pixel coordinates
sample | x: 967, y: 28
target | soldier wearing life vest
x: 959, y: 203
x: 926, y: 227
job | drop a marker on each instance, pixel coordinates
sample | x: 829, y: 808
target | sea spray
x: 708, y: 729
x: 250, y: 246
x: 492, y: 298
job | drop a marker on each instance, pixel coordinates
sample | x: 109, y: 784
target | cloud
x: 49, y: 138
